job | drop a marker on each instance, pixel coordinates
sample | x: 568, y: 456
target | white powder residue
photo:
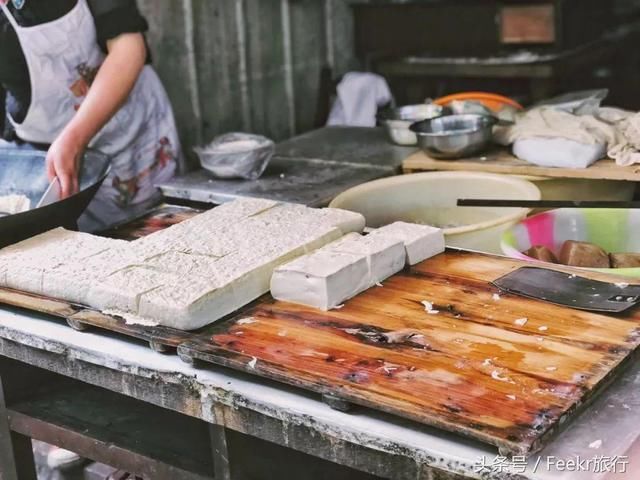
x: 595, y: 445
x: 496, y: 297
x: 236, y: 146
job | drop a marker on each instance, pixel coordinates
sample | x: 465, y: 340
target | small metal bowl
x: 397, y: 121
x: 454, y: 136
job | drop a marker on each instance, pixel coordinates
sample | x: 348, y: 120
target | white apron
x: 63, y: 58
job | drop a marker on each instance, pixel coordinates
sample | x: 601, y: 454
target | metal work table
x: 310, y: 169
x: 363, y: 440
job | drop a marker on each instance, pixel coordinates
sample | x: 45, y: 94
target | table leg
x: 220, y: 452
x: 16, y: 451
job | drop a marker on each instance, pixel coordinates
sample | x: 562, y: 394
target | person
x: 76, y: 74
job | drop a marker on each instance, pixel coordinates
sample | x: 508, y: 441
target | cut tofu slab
x: 122, y: 289
x: 25, y: 264
x: 421, y: 241
x: 324, y: 279
x: 72, y: 281
x: 385, y: 255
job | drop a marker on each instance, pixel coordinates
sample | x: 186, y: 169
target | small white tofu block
x: 420, y: 241
x: 386, y: 256
x: 323, y: 279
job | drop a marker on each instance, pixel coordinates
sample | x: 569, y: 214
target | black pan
x: 23, y: 172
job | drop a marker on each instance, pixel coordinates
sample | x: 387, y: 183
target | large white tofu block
x: 421, y: 241
x: 323, y: 279
x: 385, y: 255
x: 188, y: 275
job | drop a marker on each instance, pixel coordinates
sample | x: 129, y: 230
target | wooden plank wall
x: 250, y: 65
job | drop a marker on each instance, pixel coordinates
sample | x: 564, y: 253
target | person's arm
x: 116, y: 78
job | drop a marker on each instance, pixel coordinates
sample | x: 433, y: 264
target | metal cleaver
x: 570, y: 290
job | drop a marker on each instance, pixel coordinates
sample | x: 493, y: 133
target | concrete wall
x: 250, y: 65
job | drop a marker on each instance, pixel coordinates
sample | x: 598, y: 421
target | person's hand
x: 63, y: 161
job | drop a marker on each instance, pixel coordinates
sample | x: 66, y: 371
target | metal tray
x: 23, y: 172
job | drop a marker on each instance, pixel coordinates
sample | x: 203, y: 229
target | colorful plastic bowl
x: 615, y: 230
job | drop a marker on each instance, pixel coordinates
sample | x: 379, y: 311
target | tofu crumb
x: 428, y: 306
x: 496, y: 376
x: 521, y: 321
x: 543, y: 328
x: 246, y: 321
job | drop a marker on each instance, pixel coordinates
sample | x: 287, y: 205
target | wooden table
x: 237, y: 417
x: 500, y: 160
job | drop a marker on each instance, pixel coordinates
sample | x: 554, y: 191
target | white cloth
x: 550, y: 137
x: 141, y: 139
x: 627, y: 151
x: 558, y: 152
x: 359, y: 97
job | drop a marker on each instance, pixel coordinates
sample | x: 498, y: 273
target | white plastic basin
x: 430, y: 198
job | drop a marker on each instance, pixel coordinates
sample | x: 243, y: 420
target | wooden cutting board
x: 500, y: 160
x: 475, y: 367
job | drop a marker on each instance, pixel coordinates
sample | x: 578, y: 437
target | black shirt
x: 112, y: 18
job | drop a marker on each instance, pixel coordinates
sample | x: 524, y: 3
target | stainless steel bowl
x: 397, y: 121
x: 454, y: 136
